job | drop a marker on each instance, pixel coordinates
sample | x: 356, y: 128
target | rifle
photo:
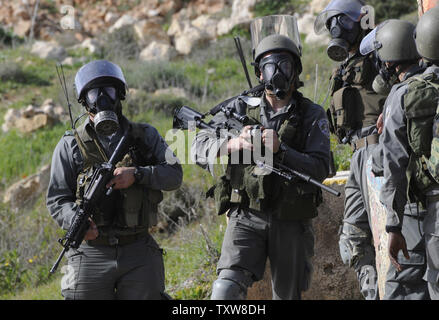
x: 92, y: 196
x: 184, y: 115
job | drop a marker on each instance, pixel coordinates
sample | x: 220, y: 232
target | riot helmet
x: 100, y: 86
x: 342, y: 19
x: 392, y: 44
x: 276, y: 52
x: 427, y: 35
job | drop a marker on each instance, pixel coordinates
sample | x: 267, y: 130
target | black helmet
x: 99, y: 73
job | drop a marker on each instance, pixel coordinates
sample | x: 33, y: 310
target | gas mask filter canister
x: 102, y: 103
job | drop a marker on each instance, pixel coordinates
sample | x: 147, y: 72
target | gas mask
x: 103, y: 103
x: 344, y: 32
x: 386, y: 78
x: 278, y: 73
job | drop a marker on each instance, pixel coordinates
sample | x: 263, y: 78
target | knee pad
x: 368, y: 279
x: 231, y: 285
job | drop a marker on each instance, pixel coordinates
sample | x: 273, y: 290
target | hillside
x: 173, y: 53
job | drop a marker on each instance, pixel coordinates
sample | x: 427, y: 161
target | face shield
x: 284, y: 25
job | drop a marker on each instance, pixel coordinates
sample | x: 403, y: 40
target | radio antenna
x: 62, y: 81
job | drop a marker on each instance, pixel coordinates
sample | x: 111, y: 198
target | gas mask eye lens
x: 286, y: 67
x: 92, y: 95
x: 111, y: 92
x: 346, y: 22
x: 268, y: 70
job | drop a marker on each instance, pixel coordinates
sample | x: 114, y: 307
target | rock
x: 125, y: 20
x: 92, y: 45
x: 241, y: 13
x: 24, y: 192
x: 158, y: 51
x: 29, y: 112
x: 207, y: 24
x: 190, y: 38
x: 305, y: 23
x: 22, y: 29
x: 111, y: 17
x: 48, y: 50
x: 150, y: 30
x: 68, y: 61
x: 317, y: 6
x: 11, y: 117
x: 27, y: 125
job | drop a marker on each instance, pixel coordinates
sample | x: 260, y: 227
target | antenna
x: 62, y: 81
x: 241, y: 56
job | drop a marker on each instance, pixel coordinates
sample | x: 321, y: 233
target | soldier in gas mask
x: 269, y: 217
x: 354, y: 111
x: 118, y: 258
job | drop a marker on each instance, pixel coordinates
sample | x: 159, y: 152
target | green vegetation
x: 391, y: 9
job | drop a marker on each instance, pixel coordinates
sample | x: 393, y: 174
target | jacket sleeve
x: 314, y: 159
x: 61, y: 192
x: 395, y: 160
x: 167, y: 173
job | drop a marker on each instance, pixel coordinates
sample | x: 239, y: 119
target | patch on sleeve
x: 324, y: 127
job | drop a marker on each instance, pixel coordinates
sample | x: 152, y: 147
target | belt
x: 119, y: 240
x: 364, y: 142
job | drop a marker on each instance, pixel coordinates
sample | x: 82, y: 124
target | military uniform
x: 398, y: 164
x: 269, y: 217
x: 124, y: 261
x: 352, y: 87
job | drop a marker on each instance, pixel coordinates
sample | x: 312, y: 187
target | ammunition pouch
x: 347, y: 111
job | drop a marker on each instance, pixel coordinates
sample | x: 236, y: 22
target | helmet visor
x: 369, y: 42
x: 285, y: 25
x: 350, y: 8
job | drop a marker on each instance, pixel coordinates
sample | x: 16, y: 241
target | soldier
x: 355, y: 108
x: 119, y: 259
x: 406, y: 137
x: 268, y: 216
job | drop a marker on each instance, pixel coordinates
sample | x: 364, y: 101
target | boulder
x: 158, y: 51
x: 125, y: 20
x: 241, y: 14
x: 27, y: 190
x: 48, y: 50
x: 149, y: 30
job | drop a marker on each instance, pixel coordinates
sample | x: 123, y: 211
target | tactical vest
x: 289, y: 200
x: 128, y: 211
x: 354, y: 104
x: 420, y: 104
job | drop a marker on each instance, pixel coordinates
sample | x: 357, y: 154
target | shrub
x: 391, y: 9
x: 120, y: 44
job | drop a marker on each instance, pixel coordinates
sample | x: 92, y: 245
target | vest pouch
x: 299, y: 201
x: 347, y: 110
x: 221, y: 195
x: 254, y: 187
x: 134, y: 201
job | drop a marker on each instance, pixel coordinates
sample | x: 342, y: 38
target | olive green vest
x: 289, y: 200
x: 128, y: 210
x: 354, y: 104
x: 420, y: 104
